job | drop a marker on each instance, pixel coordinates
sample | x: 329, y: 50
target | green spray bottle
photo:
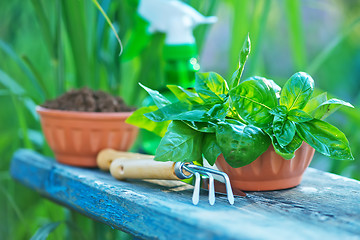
x: 176, y: 20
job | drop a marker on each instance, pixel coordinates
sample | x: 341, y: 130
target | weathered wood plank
x: 324, y: 206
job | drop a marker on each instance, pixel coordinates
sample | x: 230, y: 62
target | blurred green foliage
x: 48, y: 47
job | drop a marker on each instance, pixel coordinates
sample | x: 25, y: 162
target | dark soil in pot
x: 88, y: 100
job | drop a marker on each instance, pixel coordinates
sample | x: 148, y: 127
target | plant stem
x: 240, y: 26
x: 255, y: 59
x: 73, y: 15
x: 22, y: 122
x: 37, y: 76
x: 110, y: 24
x: 59, y: 55
x: 238, y: 116
x: 296, y: 33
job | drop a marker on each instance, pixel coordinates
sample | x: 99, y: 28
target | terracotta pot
x: 269, y: 171
x: 77, y: 137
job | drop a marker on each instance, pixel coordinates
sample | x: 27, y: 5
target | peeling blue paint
x: 147, y: 211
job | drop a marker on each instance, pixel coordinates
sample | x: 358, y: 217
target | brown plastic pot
x: 269, y: 171
x: 77, y: 137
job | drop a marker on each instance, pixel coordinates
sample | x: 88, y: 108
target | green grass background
x: 48, y: 47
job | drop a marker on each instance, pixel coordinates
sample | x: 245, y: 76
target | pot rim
x: 55, y: 113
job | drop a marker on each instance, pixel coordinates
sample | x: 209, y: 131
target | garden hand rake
x: 124, y: 165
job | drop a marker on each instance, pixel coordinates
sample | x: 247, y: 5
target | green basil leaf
x: 298, y: 115
x: 278, y: 124
x: 241, y: 144
x: 327, y: 108
x: 218, y: 111
x: 275, y: 87
x: 234, y: 121
x: 211, y: 87
x: 244, y: 53
x: 288, y: 151
x: 234, y: 115
x: 284, y: 130
x: 279, y: 111
x: 180, y: 144
x: 189, y: 112
x: 159, y: 100
x: 325, y: 138
x: 138, y: 119
x: 181, y: 93
x: 231, y: 111
x: 235, y: 78
x: 180, y: 111
x: 297, y: 91
x: 210, y: 149
x: 194, y: 101
x: 315, y: 102
x: 253, y: 100
x: 206, y: 127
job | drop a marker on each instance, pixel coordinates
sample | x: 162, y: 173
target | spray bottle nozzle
x: 174, y: 18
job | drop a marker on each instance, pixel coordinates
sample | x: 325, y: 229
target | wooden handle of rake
x: 124, y: 165
x: 107, y: 156
x: 142, y: 169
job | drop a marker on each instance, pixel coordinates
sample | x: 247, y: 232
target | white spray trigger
x: 174, y: 18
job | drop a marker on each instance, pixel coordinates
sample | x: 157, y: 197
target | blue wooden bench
x: 324, y: 206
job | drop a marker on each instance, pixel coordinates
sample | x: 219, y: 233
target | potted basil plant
x: 263, y: 136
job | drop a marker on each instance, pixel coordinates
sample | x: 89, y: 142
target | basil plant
x: 241, y: 118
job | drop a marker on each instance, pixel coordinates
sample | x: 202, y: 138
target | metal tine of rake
x: 194, y: 168
x: 196, y: 192
x: 198, y: 175
x: 211, y: 188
